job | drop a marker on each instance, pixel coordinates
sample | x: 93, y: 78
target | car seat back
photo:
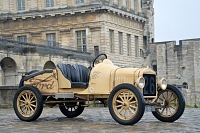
x: 82, y: 72
x: 69, y: 72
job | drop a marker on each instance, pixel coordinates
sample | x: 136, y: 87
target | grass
x: 189, y: 106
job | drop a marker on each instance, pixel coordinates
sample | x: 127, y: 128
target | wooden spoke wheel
x: 28, y: 103
x: 173, y: 104
x: 72, y: 109
x: 126, y: 104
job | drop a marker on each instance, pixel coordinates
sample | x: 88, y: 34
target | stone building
x: 37, y: 34
x: 120, y: 28
x: 180, y: 65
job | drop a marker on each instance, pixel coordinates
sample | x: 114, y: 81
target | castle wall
x: 179, y: 64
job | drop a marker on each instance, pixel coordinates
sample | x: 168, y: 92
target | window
x: 22, y: 38
x: 51, y: 39
x: 49, y: 3
x: 81, y: 40
x: 111, y: 40
x: 141, y: 53
x: 136, y: 46
x: 118, y: 2
x: 155, y: 68
x: 21, y: 5
x: 154, y: 65
x: 120, y: 42
x: 145, y: 42
x: 128, y: 44
x: 135, y: 5
x: 96, y: 50
x: 79, y: 1
x: 185, y: 85
x: 127, y: 3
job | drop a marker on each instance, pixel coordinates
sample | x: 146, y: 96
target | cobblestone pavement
x: 95, y: 120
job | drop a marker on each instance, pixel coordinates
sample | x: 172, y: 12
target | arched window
x: 185, y: 85
x: 49, y: 65
x: 154, y: 65
x: 9, y: 66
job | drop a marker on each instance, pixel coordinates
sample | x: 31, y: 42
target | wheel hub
x: 27, y: 103
x: 167, y: 103
x: 126, y: 104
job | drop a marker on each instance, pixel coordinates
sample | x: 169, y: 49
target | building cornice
x: 70, y: 11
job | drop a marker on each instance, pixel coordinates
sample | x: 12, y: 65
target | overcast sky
x: 176, y: 19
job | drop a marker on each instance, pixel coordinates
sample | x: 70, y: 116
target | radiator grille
x: 150, y: 85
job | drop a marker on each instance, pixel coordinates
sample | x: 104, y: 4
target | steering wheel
x: 98, y: 59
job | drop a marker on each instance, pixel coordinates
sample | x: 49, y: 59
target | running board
x: 64, y: 95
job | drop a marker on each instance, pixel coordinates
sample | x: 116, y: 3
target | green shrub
x: 195, y: 106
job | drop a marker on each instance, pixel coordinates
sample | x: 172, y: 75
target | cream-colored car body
x: 103, y: 78
x: 127, y: 92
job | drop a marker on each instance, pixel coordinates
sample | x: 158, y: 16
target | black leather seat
x: 83, y: 72
x: 69, y: 72
x: 77, y: 74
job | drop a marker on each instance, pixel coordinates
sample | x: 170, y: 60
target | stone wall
x: 179, y: 64
x: 7, y: 95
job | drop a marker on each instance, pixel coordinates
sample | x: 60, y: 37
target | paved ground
x: 95, y: 120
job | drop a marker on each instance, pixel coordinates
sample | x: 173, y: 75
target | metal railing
x: 41, y: 46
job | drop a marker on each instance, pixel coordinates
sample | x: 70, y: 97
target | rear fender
x: 45, y: 81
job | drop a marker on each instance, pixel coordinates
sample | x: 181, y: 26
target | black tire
x: 28, y: 103
x: 126, y: 97
x: 21, y: 83
x: 174, y: 102
x: 72, y: 109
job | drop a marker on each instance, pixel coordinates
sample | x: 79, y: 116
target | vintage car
x: 127, y: 92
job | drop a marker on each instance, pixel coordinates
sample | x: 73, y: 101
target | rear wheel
x: 28, y: 103
x: 173, y: 103
x: 126, y: 104
x: 72, y: 109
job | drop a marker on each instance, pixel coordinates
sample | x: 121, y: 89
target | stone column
x: 1, y: 77
x: 161, y: 61
x: 28, y: 63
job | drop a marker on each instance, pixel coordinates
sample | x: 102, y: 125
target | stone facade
x: 34, y: 22
x: 95, y: 17
x: 180, y: 65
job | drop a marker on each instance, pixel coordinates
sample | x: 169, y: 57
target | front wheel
x: 72, y: 109
x: 28, y: 103
x: 126, y: 104
x: 173, y: 104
